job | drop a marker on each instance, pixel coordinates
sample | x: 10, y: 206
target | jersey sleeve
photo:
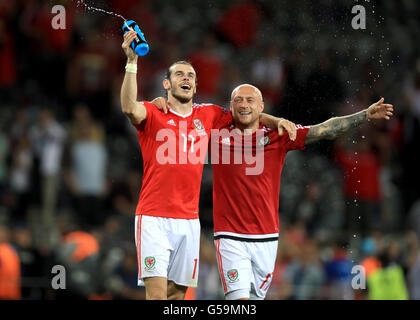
x: 148, y: 122
x: 222, y: 117
x: 299, y: 143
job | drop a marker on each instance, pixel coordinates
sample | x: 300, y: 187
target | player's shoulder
x: 150, y: 107
x: 208, y: 107
x: 272, y: 134
x: 269, y: 131
x: 203, y: 105
x: 147, y: 103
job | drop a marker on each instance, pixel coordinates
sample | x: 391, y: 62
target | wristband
x: 131, y: 68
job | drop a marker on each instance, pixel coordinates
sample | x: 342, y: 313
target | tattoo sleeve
x: 334, y: 127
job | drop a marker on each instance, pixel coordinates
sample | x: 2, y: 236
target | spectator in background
x: 409, y: 247
x: 47, y: 138
x: 143, y: 13
x: 268, y: 74
x: 369, y: 252
x: 79, y: 253
x: 4, y: 148
x: 413, y: 264
x: 309, y: 209
x: 209, y: 66
x: 8, y: 74
x: 20, y: 126
x: 45, y: 46
x: 361, y: 167
x: 304, y: 277
x: 286, y: 252
x: 86, y: 175
x: 239, y: 24
x: 20, y: 160
x: 88, y: 78
x: 388, y: 282
x: 414, y: 279
x: 9, y: 267
x: 230, y: 80
x: 408, y: 137
x: 413, y: 220
x: 20, y: 177
x: 338, y: 275
x: 122, y: 283
x: 33, y: 264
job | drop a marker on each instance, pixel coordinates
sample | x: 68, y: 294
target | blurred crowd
x: 71, y: 168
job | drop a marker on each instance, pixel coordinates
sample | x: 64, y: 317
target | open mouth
x: 186, y: 87
x: 244, y: 113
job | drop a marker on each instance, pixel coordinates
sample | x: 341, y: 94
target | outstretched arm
x: 133, y: 109
x: 336, y: 126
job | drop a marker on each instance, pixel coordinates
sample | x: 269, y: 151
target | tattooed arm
x: 334, y: 127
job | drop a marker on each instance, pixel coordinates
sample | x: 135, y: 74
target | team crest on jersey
x: 264, y: 141
x: 150, y: 262
x: 198, y: 124
x: 233, y: 275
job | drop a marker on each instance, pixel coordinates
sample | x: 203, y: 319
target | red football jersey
x: 174, y: 147
x: 245, y: 205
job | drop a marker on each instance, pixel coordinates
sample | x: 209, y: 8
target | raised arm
x: 134, y: 110
x: 336, y: 126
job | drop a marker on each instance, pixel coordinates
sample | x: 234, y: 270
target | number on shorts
x: 195, y: 267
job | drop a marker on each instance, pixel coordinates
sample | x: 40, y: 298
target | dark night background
x: 71, y: 169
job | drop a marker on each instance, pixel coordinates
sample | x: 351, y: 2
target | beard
x: 181, y: 97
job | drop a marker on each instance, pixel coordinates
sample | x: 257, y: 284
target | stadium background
x: 70, y: 165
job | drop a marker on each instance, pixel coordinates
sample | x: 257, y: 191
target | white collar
x: 181, y: 115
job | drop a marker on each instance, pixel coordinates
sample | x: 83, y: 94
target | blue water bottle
x: 139, y: 44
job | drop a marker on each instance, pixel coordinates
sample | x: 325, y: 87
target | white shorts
x: 168, y: 248
x: 245, y: 268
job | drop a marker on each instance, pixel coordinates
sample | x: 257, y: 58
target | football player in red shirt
x: 245, y: 204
